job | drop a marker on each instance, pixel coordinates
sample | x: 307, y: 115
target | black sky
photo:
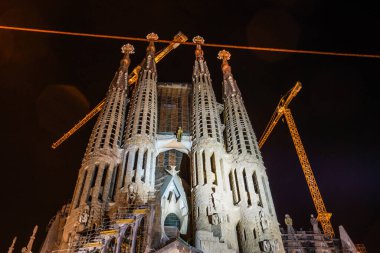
x: 48, y: 82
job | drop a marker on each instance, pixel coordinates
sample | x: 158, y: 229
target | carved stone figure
x: 265, y: 246
x: 289, y: 224
x: 132, y: 193
x: 264, y: 221
x: 314, y: 223
x: 215, y: 219
x: 179, y: 134
x: 83, y: 217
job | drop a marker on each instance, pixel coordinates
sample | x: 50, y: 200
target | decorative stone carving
x: 265, y: 246
x: 132, y: 193
x: 215, y: 219
x: 84, y: 215
x: 271, y: 246
x: 264, y: 221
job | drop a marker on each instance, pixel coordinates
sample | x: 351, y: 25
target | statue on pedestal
x: 179, y: 134
x: 314, y: 223
x: 289, y: 224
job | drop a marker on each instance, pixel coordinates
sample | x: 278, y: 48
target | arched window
x: 172, y: 225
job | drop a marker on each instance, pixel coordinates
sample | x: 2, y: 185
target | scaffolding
x: 125, y: 231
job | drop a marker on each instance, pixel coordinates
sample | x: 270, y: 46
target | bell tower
x: 257, y: 227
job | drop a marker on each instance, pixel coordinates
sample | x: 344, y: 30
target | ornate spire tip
x: 198, y: 40
x: 152, y: 36
x: 224, y: 55
x: 127, y: 49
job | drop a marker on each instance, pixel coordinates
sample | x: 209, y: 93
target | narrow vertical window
x: 257, y: 189
x: 92, y: 184
x: 204, y: 167
x: 195, y: 180
x: 239, y: 239
x: 115, y: 175
x: 237, y: 185
x: 102, y: 183
x: 213, y: 168
x: 94, y: 175
x: 124, y: 171
x: 135, y: 166
x: 249, y: 202
x: 145, y: 157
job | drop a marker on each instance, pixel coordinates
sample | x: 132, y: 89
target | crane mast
x: 132, y: 79
x: 283, y: 110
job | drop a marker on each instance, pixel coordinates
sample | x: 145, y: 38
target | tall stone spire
x: 12, y: 247
x: 28, y: 248
x: 208, y: 165
x: 108, y: 130
x: 206, y: 120
x: 256, y: 228
x: 101, y: 165
x: 241, y: 139
x: 139, y: 165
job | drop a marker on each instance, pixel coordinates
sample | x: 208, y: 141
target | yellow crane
x: 283, y: 110
x: 132, y: 79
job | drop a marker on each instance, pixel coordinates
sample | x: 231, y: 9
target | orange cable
x: 268, y: 49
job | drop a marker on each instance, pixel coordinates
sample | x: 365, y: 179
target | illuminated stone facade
x: 169, y: 169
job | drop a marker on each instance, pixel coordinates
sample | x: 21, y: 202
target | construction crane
x: 283, y: 110
x: 132, y: 79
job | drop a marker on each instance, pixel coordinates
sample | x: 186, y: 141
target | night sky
x: 49, y: 82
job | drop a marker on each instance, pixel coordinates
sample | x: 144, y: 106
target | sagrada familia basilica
x: 169, y: 169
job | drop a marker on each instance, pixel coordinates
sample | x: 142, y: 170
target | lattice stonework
x: 142, y: 119
x: 240, y: 136
x: 205, y: 112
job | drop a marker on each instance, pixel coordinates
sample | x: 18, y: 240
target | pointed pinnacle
x: 127, y: 49
x: 152, y: 36
x: 224, y: 55
x: 11, y: 248
x: 198, y: 40
x: 198, y: 51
